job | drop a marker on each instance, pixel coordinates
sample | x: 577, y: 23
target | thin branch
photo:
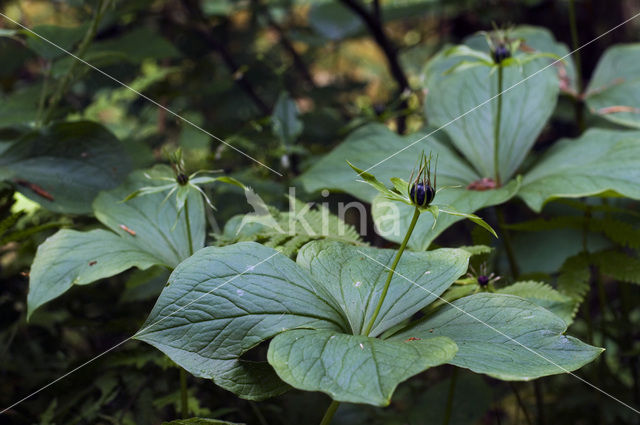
x: 288, y: 46
x: 373, y: 21
x: 199, y: 23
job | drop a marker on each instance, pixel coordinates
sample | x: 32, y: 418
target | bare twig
x: 373, y: 21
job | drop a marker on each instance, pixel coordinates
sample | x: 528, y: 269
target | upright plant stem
x: 521, y: 403
x: 183, y: 374
x: 184, y: 402
x: 578, y: 103
x: 331, y: 410
x: 80, y: 51
x: 414, y: 220
x: 537, y: 388
x: 452, y: 390
x: 496, y: 136
x: 43, y: 95
x: 188, y: 223
x: 508, y: 246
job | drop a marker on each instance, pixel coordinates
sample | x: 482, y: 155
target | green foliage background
x: 301, y: 86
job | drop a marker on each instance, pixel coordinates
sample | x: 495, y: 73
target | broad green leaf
x: 145, y: 232
x: 20, y: 107
x: 221, y: 302
x: 367, y: 147
x: 64, y: 166
x: 77, y: 258
x: 506, y: 337
x: 285, y: 122
x: 355, y: 277
x: 615, y: 86
x: 134, y: 46
x: 544, y: 251
x: 525, y: 110
x: 600, y: 162
x: 159, y: 229
x: 545, y: 296
x: 353, y: 368
x: 392, y: 219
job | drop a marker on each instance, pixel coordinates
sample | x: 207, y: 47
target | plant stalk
x: 331, y: 410
x: 496, y: 135
x: 188, y: 223
x: 578, y: 103
x: 43, y: 95
x: 183, y: 375
x: 414, y: 220
x: 537, y: 388
x: 63, y: 86
x: 508, y: 246
x: 452, y: 390
x: 184, y: 402
x: 521, y: 403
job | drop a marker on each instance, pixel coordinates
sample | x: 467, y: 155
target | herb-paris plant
x: 459, y: 102
x: 143, y: 232
x: 338, y: 319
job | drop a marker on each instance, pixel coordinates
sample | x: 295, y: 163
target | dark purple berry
x: 483, y: 280
x: 500, y: 53
x: 182, y: 179
x: 421, y: 194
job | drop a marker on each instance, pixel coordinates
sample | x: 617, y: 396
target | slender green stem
x: 537, y: 388
x: 521, y: 403
x: 331, y: 410
x: 586, y: 307
x: 452, y: 390
x: 184, y: 401
x: 80, y: 51
x: 508, y: 246
x: 586, y: 312
x: 188, y: 223
x: 578, y: 103
x: 43, y: 94
x: 183, y: 374
x: 496, y: 135
x: 258, y: 413
x: 414, y: 220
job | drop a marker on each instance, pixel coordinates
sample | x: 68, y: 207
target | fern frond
x: 618, y: 265
x: 620, y: 232
x: 574, y: 277
x: 288, y: 231
x: 541, y: 224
